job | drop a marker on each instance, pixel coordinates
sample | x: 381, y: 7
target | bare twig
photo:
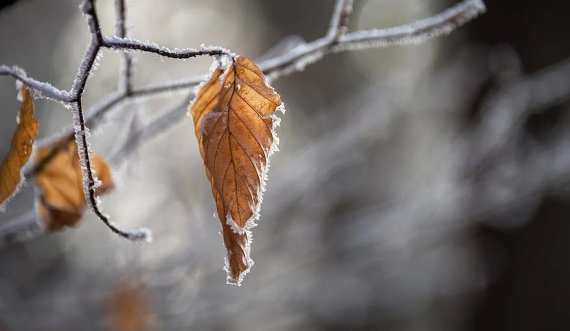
x: 125, y: 78
x: 337, y: 39
x: 149, y: 131
x: 298, y: 58
x: 414, y: 33
x: 340, y: 19
x: 46, y: 90
x: 145, y: 46
x: 90, y: 183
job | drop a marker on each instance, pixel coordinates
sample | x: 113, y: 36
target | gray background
x: 371, y: 219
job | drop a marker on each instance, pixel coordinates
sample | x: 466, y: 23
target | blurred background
x: 417, y: 188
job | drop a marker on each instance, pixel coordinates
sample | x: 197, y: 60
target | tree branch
x: 444, y: 23
x: 340, y: 19
x: 145, y: 46
x: 149, y: 131
x: 90, y: 183
x: 414, y: 33
x: 125, y: 77
x: 46, y: 89
x: 88, y: 8
x: 296, y: 59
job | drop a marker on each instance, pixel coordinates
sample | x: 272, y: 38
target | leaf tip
x: 236, y: 280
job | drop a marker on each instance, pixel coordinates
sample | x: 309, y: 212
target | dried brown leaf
x: 234, y: 119
x: 61, y: 201
x: 129, y: 308
x: 21, y: 148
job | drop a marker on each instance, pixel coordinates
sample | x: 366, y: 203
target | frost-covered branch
x: 336, y: 39
x: 414, y: 33
x: 295, y: 59
x: 340, y: 19
x: 46, y: 89
x: 145, y: 46
x: 125, y: 76
x: 90, y: 12
x: 98, y: 41
x: 149, y: 131
x: 90, y: 182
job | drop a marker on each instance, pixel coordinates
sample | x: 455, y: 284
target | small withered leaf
x: 61, y: 201
x: 21, y: 148
x: 234, y: 117
x: 129, y: 308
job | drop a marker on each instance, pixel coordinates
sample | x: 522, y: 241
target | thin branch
x: 120, y: 23
x: 81, y: 131
x: 149, y: 131
x: 46, y: 89
x: 125, y: 77
x: 90, y: 184
x: 88, y: 8
x: 340, y: 19
x: 444, y: 23
x: 297, y: 58
x: 173, y: 86
x: 85, y: 69
x: 120, y: 43
x: 145, y: 46
x: 417, y: 32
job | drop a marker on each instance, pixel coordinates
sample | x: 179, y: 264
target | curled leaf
x: 21, y: 148
x: 61, y: 201
x: 234, y: 120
